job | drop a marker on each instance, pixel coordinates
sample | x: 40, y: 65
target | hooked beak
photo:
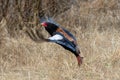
x: 44, y: 24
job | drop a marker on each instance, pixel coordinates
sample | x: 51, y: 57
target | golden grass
x: 97, y: 32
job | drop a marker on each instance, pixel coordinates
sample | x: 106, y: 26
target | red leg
x: 79, y: 59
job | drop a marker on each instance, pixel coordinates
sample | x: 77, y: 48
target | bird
x: 63, y: 37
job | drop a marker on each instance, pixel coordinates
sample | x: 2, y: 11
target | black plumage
x: 63, y: 37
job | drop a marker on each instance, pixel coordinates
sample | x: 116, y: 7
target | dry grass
x: 96, y: 26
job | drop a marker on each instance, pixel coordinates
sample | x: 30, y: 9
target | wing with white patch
x: 56, y: 37
x: 59, y: 39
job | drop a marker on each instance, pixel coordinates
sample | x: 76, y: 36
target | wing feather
x: 56, y: 37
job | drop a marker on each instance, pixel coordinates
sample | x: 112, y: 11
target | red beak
x: 44, y: 24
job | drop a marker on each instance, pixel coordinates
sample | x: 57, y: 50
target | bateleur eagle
x: 64, y: 38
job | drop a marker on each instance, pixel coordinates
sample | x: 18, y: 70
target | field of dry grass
x: 96, y: 25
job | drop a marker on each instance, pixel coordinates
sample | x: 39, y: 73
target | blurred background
x: 95, y: 24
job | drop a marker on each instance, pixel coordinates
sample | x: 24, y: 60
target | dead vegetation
x: 95, y: 23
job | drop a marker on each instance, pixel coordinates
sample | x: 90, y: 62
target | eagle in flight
x: 62, y: 37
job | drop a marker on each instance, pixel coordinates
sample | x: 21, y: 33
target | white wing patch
x: 56, y: 37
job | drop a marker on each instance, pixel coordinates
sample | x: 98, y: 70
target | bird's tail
x: 80, y: 60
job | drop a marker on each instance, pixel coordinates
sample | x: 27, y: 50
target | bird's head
x: 50, y: 27
x: 45, y: 24
x: 48, y: 24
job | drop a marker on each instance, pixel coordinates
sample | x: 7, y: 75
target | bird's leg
x: 79, y: 59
